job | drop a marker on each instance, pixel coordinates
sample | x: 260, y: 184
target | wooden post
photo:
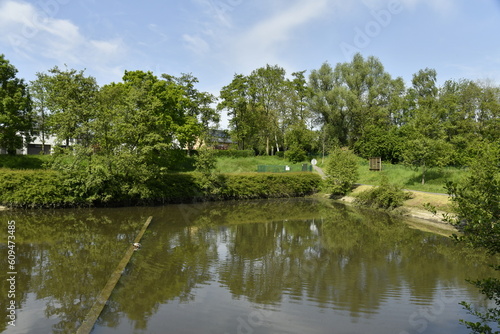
x: 103, y: 297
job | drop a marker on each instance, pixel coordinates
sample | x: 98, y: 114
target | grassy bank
x: 249, y: 164
x: 409, y: 178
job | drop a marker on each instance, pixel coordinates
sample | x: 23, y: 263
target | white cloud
x: 441, y: 6
x: 34, y: 34
x: 196, y: 44
x: 270, y: 36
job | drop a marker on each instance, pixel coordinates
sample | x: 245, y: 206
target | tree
x: 341, y: 170
x: 39, y: 96
x: 15, y: 109
x: 425, y: 145
x: 196, y: 106
x: 72, y: 101
x: 355, y: 99
x: 298, y: 137
x: 267, y: 86
x: 477, y: 205
x: 242, y: 122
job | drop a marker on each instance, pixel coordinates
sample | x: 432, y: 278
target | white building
x: 35, y: 147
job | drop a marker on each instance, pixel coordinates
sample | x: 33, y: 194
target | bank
x: 414, y: 208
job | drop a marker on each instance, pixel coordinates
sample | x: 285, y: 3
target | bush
x: 267, y: 185
x: 35, y: 189
x: 296, y: 154
x: 341, y: 170
x: 386, y: 196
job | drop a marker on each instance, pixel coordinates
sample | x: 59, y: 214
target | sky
x: 216, y: 39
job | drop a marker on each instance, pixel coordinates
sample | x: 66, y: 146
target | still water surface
x: 277, y: 266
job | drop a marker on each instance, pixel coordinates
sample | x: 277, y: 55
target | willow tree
x: 355, y: 100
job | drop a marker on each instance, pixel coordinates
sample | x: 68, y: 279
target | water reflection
x: 267, y: 266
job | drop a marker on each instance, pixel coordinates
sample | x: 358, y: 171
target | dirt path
x: 414, y: 207
x: 320, y: 171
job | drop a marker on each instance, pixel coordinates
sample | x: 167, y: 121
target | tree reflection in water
x: 264, y: 252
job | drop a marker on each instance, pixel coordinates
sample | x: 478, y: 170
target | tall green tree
x: 72, y: 101
x: 242, y: 121
x: 198, y: 111
x: 425, y: 145
x: 297, y: 119
x: 39, y: 96
x: 16, y: 119
x: 267, y: 88
x: 355, y: 101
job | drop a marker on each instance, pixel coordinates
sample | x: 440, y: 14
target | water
x: 277, y: 266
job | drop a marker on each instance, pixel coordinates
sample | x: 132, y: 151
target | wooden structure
x: 376, y: 164
x: 88, y: 324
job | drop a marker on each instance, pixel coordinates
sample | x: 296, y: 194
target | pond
x: 270, y: 266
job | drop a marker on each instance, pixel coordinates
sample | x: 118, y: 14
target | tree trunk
x: 423, y: 174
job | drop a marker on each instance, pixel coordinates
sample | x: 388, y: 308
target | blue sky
x: 214, y: 39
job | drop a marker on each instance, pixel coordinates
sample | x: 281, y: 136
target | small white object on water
x: 137, y: 245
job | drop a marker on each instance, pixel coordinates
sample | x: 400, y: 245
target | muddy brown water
x: 270, y: 266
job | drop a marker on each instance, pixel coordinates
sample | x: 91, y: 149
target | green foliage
x: 265, y: 185
x: 35, y: 189
x: 295, y: 154
x: 15, y: 108
x: 377, y: 142
x: 71, y: 98
x: 52, y: 189
x: 352, y: 96
x: 476, y: 202
x: 342, y: 171
x: 386, y: 196
x: 23, y: 161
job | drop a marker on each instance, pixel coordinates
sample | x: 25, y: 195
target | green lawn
x: 248, y: 165
x: 409, y: 178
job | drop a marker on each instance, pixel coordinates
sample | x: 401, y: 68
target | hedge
x: 48, y: 189
x: 35, y: 189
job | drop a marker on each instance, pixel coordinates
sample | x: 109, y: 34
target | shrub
x: 296, y: 154
x: 267, y: 185
x: 386, y: 196
x: 34, y: 189
x: 341, y: 170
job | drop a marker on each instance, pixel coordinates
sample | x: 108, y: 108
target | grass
x: 403, y: 176
x: 249, y: 165
x: 409, y: 178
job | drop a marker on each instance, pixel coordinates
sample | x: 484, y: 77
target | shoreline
x: 418, y: 218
